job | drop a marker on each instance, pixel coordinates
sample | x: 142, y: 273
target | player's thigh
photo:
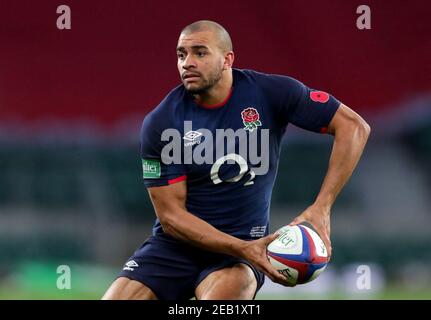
x: 126, y: 289
x: 237, y: 282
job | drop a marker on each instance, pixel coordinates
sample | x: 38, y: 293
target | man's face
x: 200, y: 61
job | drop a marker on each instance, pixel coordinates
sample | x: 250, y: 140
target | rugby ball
x: 298, y: 253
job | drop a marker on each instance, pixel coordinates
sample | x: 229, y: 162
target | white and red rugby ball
x: 298, y: 253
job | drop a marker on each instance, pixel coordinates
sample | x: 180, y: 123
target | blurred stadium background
x: 72, y: 101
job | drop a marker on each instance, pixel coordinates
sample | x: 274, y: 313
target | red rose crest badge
x: 250, y: 118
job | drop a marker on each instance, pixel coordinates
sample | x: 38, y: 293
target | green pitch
x: 38, y: 281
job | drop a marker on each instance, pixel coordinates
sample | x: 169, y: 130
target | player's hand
x: 256, y: 253
x: 319, y: 218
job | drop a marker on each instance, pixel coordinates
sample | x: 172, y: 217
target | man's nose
x: 189, y: 62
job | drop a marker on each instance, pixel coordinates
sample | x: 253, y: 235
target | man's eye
x: 180, y: 56
x: 201, y: 54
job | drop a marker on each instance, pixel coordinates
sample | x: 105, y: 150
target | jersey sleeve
x: 155, y: 171
x: 300, y: 105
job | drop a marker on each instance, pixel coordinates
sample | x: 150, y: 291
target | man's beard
x: 212, y: 80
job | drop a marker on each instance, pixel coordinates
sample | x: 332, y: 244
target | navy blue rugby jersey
x: 228, y: 154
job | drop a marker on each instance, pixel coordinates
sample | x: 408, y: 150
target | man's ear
x: 228, y: 60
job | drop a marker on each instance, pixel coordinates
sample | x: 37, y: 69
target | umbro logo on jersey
x: 131, y: 265
x: 192, y: 137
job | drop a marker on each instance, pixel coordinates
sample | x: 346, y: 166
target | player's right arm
x: 169, y: 203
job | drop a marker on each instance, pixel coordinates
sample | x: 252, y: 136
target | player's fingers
x: 272, y: 273
x: 285, y: 283
x: 280, y: 279
x: 327, y: 242
x: 269, y: 238
x: 269, y: 269
x: 297, y: 220
x: 328, y: 246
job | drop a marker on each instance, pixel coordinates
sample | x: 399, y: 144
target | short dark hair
x: 225, y: 42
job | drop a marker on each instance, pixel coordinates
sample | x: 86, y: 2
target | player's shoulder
x: 274, y: 85
x: 268, y: 78
x: 164, y: 113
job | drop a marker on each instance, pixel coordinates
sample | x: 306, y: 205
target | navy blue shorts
x: 173, y: 270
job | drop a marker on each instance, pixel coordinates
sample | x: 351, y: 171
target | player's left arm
x: 350, y: 133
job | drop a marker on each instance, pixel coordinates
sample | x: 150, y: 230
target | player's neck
x: 217, y: 94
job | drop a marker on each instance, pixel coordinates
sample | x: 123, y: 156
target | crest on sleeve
x: 319, y: 96
x: 250, y: 118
